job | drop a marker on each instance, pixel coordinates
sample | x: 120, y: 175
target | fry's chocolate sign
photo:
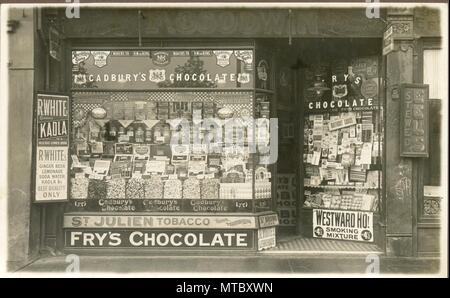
x: 196, y: 239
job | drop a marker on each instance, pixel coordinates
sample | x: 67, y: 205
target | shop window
x: 433, y: 72
x: 172, y: 132
x: 159, y: 142
x: 342, y: 156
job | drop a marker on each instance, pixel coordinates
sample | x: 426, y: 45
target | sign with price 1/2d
x: 51, y: 147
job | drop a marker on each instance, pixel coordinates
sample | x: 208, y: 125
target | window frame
x: 432, y: 43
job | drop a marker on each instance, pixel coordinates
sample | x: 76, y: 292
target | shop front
x: 166, y: 151
x: 232, y: 138
x: 174, y: 147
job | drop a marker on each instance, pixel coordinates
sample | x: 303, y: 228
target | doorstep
x: 297, y: 245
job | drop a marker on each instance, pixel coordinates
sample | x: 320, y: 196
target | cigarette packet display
x: 191, y: 188
x: 153, y: 187
x: 210, y: 188
x: 96, y: 189
x: 115, y: 188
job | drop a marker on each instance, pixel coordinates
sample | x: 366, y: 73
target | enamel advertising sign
x: 52, y: 146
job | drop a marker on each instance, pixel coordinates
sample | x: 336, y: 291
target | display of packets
x: 96, y: 189
x: 210, y: 188
x: 173, y: 189
x: 115, y: 188
x: 347, y: 201
x: 135, y: 188
x: 79, y: 188
x: 153, y: 187
x: 191, y: 188
x: 235, y: 191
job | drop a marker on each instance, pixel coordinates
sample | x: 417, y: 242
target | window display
x: 160, y: 150
x: 343, y: 138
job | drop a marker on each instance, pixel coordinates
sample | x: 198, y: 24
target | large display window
x: 173, y: 133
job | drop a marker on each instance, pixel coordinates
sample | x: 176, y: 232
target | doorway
x: 324, y: 71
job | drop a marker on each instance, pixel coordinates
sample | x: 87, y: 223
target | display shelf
x: 174, y: 89
x: 193, y: 206
x: 125, y: 131
x: 303, y: 208
x: 340, y: 187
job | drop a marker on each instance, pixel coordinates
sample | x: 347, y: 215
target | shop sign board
x: 343, y: 225
x: 388, y: 40
x: 414, y: 120
x: 160, y: 239
x: 51, y: 139
x: 341, y: 105
x: 112, y: 221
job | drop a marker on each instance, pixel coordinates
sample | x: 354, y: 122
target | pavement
x: 260, y: 263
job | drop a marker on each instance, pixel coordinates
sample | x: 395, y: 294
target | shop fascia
x: 52, y: 108
x: 138, y: 238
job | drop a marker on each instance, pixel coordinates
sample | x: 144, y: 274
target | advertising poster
x: 343, y: 225
x: 52, y: 145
